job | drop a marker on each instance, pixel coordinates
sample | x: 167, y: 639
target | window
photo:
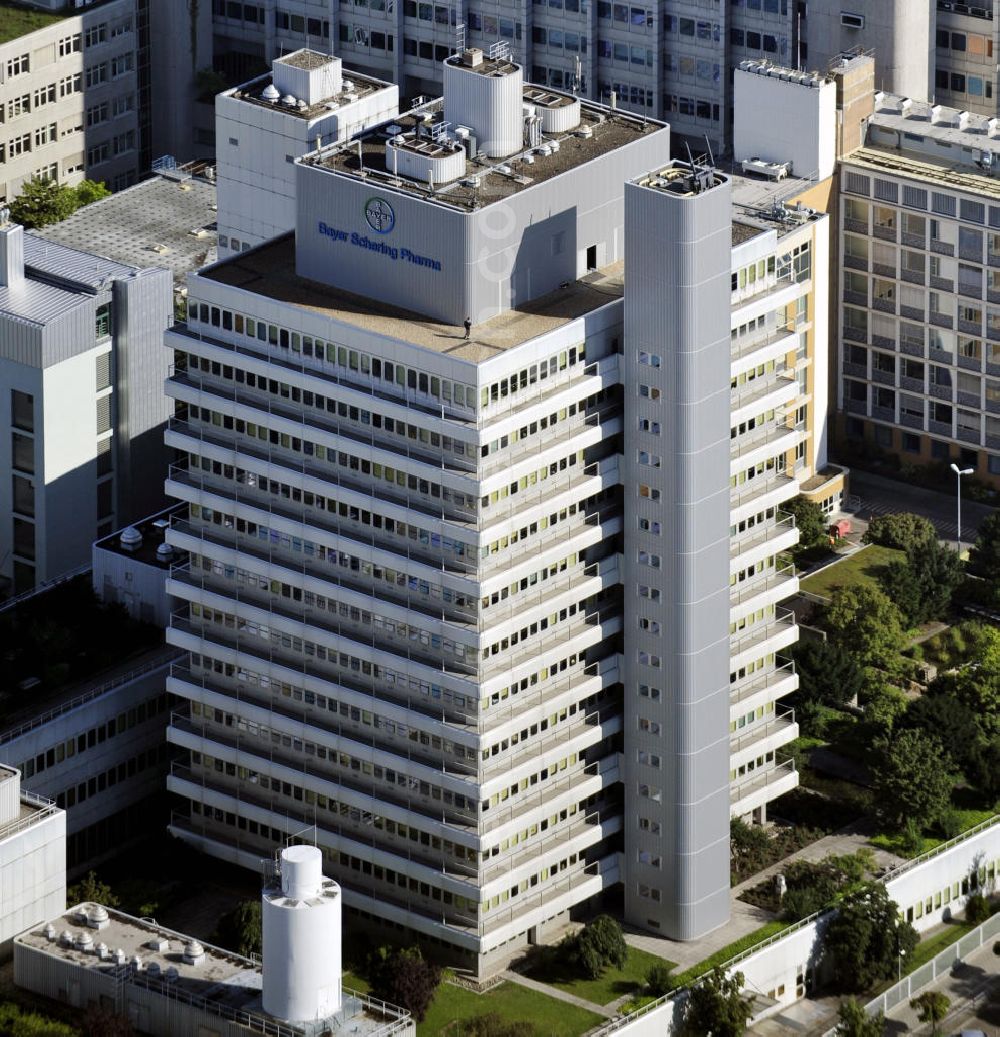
x: 69, y: 45
x: 22, y: 410
x: 18, y: 66
x: 24, y: 538
x: 23, y: 453
x: 96, y: 74
x: 96, y: 34
x: 103, y: 321
x: 120, y: 65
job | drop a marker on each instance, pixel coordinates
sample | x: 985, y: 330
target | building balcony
x: 774, y: 438
x: 883, y: 341
x: 762, y: 393
x: 970, y: 327
x: 769, y: 490
x: 229, y: 495
x: 763, y: 639
x: 759, y: 788
x: 970, y: 399
x: 911, y: 348
x: 887, y: 232
x: 884, y: 269
x: 768, y: 588
x: 969, y: 435
x: 914, y: 421
x: 940, y: 392
x: 912, y: 276
x: 970, y: 363
x: 852, y: 334
x: 943, y: 284
x: 776, y: 536
x: 607, y: 418
x: 883, y: 413
x: 762, y: 688
x: 884, y: 304
x: 856, y: 262
x: 768, y: 737
x: 777, y: 340
x: 855, y: 226
x: 940, y: 428
x: 855, y: 298
x: 911, y: 312
x: 913, y: 240
x: 942, y: 248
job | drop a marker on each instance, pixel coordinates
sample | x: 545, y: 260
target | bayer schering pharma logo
x: 379, y: 214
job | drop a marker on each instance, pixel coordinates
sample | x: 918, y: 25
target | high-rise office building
x: 75, y: 94
x: 404, y: 606
x: 920, y: 305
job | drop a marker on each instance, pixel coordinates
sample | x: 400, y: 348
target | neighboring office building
x: 920, y: 309
x: 437, y: 526
x: 97, y: 747
x: 75, y: 96
x: 32, y: 858
x: 81, y: 398
x: 673, y: 61
x: 264, y: 125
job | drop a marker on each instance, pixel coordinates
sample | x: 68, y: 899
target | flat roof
x: 166, y: 221
x: 603, y: 130
x: 306, y: 58
x: 937, y: 121
x: 269, y: 271
x: 153, y: 531
x: 950, y: 176
x: 354, y: 86
x: 222, y: 978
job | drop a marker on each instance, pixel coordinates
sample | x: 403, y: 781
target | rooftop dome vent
x: 153, y: 969
x: 130, y: 539
x: 290, y: 100
x: 270, y: 94
x: 194, y: 953
x: 84, y: 941
x: 164, y: 553
x: 50, y: 932
x: 102, y: 951
x: 171, y: 974
x: 97, y: 917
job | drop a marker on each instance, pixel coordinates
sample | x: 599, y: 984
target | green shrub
x: 977, y: 909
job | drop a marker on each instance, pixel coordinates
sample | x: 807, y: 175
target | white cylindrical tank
x: 485, y: 94
x: 301, y: 939
x: 422, y: 158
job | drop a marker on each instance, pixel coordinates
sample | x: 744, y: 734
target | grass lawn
x: 765, y: 932
x: 615, y: 983
x: 511, y: 1002
x: 894, y: 842
x: 16, y: 21
x: 858, y: 568
x: 935, y: 944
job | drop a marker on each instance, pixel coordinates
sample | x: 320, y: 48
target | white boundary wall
x: 928, y: 890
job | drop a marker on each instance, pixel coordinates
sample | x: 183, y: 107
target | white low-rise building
x: 32, y: 858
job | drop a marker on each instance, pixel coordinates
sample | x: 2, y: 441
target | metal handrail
x: 162, y: 659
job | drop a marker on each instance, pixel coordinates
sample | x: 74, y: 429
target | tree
x: 598, y: 944
x: 90, y: 890
x: 939, y: 571
x: 984, y: 556
x: 902, y: 531
x: 855, y: 1022
x: 402, y: 977
x: 862, y: 620
x: 240, y: 929
x: 809, y: 520
x: 41, y: 202
x: 16, y: 1022
x: 931, y: 1007
x: 865, y: 938
x: 715, y: 1006
x: 88, y: 191
x: 983, y: 768
x: 829, y: 675
x: 911, y: 778
x: 749, y: 847
x: 949, y: 720
x: 658, y: 979
x: 902, y: 586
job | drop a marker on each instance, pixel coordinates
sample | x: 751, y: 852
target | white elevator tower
x: 301, y: 939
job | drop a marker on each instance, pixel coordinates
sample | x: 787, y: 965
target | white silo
x: 301, y: 939
x: 484, y: 94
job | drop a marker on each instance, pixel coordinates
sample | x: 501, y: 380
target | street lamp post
x: 959, y: 472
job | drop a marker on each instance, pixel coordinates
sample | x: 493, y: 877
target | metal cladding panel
x: 72, y: 331
x: 20, y: 341
x: 676, y: 471
x: 491, y: 105
x: 386, y: 244
x: 143, y: 307
x: 451, y: 264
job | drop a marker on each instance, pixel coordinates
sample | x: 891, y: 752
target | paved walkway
x: 560, y: 995
x: 745, y: 918
x: 970, y: 985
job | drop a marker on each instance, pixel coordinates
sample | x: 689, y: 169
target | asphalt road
x: 881, y: 496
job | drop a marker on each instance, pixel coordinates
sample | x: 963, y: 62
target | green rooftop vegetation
x: 63, y: 636
x: 16, y: 20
